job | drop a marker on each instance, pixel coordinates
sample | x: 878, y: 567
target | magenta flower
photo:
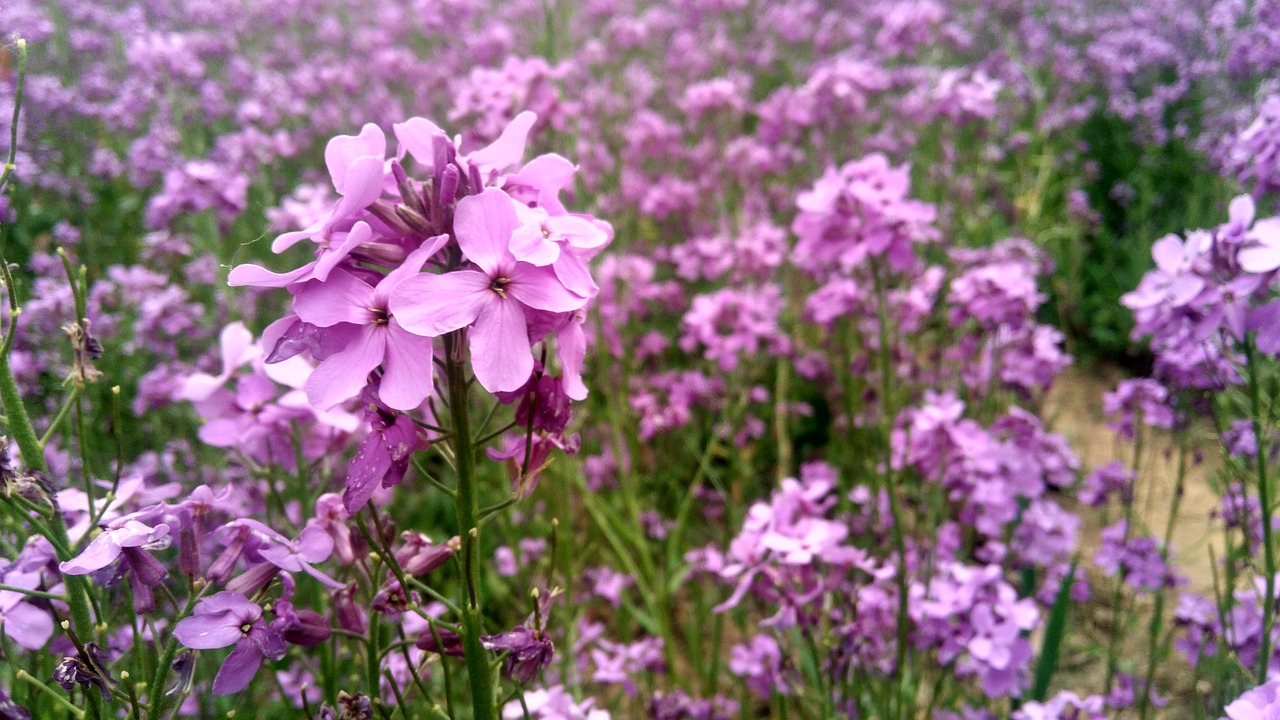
x: 496, y: 297
x: 374, y: 336
x: 237, y: 350
x: 225, y: 619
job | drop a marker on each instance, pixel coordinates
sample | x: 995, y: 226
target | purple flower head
x: 528, y: 651
x: 86, y: 669
x: 10, y: 710
x: 262, y: 544
x: 1139, y: 398
x: 373, y: 336
x: 225, y: 619
x: 131, y: 540
x: 760, y: 662
x: 1065, y: 705
x: 495, y: 298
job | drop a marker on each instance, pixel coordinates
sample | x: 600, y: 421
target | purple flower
x: 383, y: 456
x: 373, y: 336
x: 1065, y: 705
x: 760, y: 662
x: 10, y: 710
x: 225, y: 619
x: 497, y: 297
x: 528, y: 651
x: 356, y: 165
x: 247, y: 535
x: 128, y: 538
x: 27, y: 625
x: 1260, y: 703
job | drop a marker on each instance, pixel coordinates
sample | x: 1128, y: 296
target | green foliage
x: 1141, y: 192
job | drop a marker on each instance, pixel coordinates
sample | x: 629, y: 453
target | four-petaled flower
x: 226, y: 619
x: 497, y: 296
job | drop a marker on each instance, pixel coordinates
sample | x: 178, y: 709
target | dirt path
x: 1074, y: 408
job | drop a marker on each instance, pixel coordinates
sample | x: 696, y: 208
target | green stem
x: 1264, y: 498
x: 1156, y: 626
x: 467, y: 503
x: 887, y: 414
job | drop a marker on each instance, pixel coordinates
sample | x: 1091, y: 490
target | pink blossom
x: 497, y: 297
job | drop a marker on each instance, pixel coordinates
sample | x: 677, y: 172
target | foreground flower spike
x: 226, y: 619
x: 496, y: 297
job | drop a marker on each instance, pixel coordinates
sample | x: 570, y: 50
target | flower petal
x: 571, y: 347
x: 102, y: 551
x: 433, y: 305
x: 500, y: 347
x: 411, y: 266
x: 342, y: 375
x: 415, y: 136
x: 540, y: 288
x: 255, y: 276
x: 208, y: 632
x: 238, y: 669
x: 508, y: 149
x: 29, y: 626
x: 329, y: 259
x: 407, y: 380
x: 343, y: 298
x: 343, y: 150
x: 483, y: 225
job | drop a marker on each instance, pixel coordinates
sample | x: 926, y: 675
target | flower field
x: 700, y: 360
